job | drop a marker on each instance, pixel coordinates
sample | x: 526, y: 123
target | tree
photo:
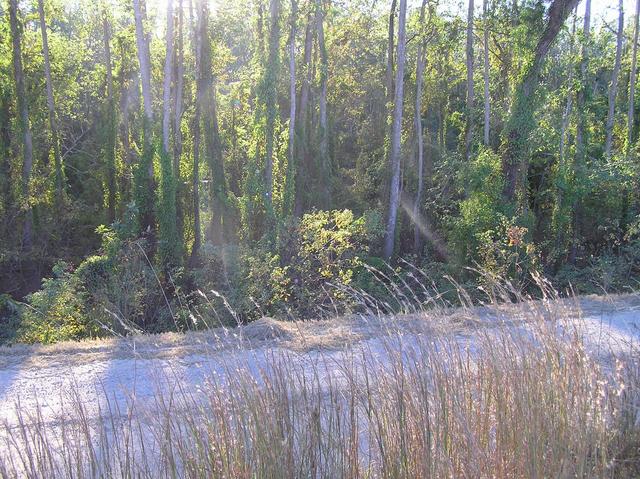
x: 323, y: 124
x: 213, y: 146
x: 177, y: 118
x: 291, y: 161
x: 613, y: 86
x: 25, y: 126
x: 302, y: 112
x: 110, y: 123
x: 420, y: 64
x: 632, y: 81
x: 394, y: 195
x: 170, y: 242
x: 197, y: 234
x: 470, y: 92
x: 53, y: 124
x: 271, y: 98
x: 521, y: 119
x: 485, y: 72
x: 145, y: 187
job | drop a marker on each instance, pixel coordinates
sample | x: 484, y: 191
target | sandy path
x: 131, y: 371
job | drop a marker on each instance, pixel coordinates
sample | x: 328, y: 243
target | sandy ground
x: 120, y: 373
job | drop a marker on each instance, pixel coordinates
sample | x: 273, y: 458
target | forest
x: 177, y: 164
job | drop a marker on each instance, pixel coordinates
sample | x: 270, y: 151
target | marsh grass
x: 514, y: 402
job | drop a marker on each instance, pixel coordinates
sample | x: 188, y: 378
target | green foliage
x: 483, y: 235
x: 57, y: 312
x: 170, y: 247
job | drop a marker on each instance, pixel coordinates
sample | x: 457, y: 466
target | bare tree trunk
x: 23, y: 115
x: 632, y: 82
x: 420, y: 63
x: 390, y: 48
x: 487, y: 98
x: 613, y: 87
x: 53, y: 125
x: 394, y: 196
x: 177, y: 130
x: 470, y: 90
x: 292, y: 166
x: 324, y: 128
x: 110, y: 143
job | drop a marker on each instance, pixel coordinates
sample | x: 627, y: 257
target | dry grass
x: 517, y: 403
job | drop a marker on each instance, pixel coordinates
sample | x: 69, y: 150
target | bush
x: 314, y: 254
x: 57, y: 312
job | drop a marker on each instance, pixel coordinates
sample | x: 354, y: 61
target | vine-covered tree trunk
x: 396, y: 133
x: 170, y: 250
x: 177, y: 119
x: 195, y: 177
x: 292, y: 166
x: 521, y: 121
x: 213, y: 145
x: 613, y: 86
x: 470, y: 89
x: 53, y: 124
x: 301, y: 123
x: 145, y: 187
x: 417, y: 120
x: 325, y: 166
x: 581, y: 132
x: 271, y: 99
x: 25, y: 127
x: 485, y: 72
x: 632, y: 82
x: 110, y: 123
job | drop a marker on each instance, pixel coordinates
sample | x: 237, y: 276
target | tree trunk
x: 390, y: 47
x: 110, y: 137
x: 324, y: 128
x: 632, y: 82
x: 167, y: 81
x: 25, y: 127
x: 53, y: 125
x: 5, y: 154
x: 420, y: 63
x: 521, y: 119
x: 394, y: 195
x: 177, y: 126
x: 566, y: 115
x: 564, y: 125
x: 581, y: 130
x: 213, y: 145
x: 486, y: 71
x: 582, y: 90
x: 613, y: 87
x: 470, y: 91
x: 197, y: 233
x: 303, y: 143
x: 271, y: 80
x: 146, y: 193
x: 290, y: 192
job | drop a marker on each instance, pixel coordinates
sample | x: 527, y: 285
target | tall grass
x: 515, y: 403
